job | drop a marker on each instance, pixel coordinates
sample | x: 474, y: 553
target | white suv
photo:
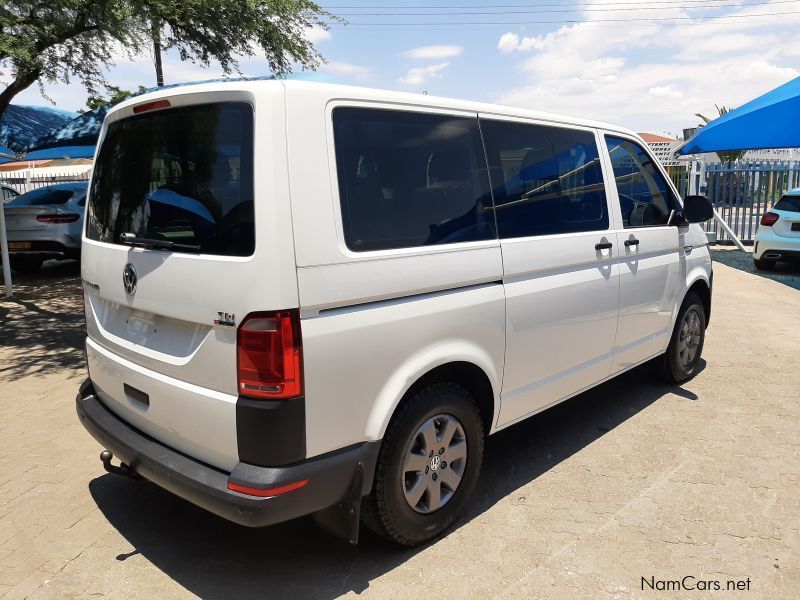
x: 305, y: 298
x: 778, y: 237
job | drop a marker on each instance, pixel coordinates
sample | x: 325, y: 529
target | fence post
x: 4, y: 253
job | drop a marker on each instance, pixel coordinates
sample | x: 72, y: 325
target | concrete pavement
x: 632, y: 480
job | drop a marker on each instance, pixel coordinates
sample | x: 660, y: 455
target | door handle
x: 602, y: 246
x: 631, y: 242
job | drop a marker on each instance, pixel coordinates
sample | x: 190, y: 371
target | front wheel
x: 686, y: 345
x: 428, y: 465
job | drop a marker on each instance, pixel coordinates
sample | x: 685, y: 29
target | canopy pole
x: 728, y: 230
x: 4, y: 253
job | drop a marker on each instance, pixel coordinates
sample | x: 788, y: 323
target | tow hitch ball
x: 122, y: 469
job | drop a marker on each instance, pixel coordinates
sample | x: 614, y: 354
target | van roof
x: 334, y: 91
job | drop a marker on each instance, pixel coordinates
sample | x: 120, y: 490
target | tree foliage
x: 728, y: 155
x: 115, y: 96
x: 60, y: 40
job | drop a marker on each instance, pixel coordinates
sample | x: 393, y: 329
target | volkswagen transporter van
x: 315, y: 299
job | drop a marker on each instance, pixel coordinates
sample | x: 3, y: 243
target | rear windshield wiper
x: 133, y: 240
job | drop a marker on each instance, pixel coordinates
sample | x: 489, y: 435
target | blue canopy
x: 75, y: 139
x: 769, y: 121
x: 7, y: 155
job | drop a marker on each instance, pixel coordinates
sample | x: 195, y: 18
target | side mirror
x: 697, y: 209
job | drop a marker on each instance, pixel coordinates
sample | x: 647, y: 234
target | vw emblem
x: 435, y: 462
x: 129, y: 279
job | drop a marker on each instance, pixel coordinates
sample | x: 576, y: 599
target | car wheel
x: 764, y: 265
x: 686, y: 345
x: 428, y: 465
x: 26, y: 265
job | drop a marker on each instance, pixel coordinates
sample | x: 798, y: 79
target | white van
x: 315, y: 299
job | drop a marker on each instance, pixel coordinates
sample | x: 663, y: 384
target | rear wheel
x: 428, y: 465
x: 686, y: 345
x: 26, y: 264
x: 764, y: 265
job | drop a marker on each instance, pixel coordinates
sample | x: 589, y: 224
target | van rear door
x: 212, y: 243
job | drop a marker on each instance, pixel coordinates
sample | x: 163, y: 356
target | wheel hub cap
x: 434, y: 463
x: 690, y: 336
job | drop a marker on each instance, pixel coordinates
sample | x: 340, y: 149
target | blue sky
x: 648, y: 65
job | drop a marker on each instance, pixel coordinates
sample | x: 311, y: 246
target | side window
x: 546, y: 179
x: 410, y: 179
x: 644, y: 196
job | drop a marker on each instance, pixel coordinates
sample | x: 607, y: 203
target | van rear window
x: 184, y: 175
x: 410, y: 179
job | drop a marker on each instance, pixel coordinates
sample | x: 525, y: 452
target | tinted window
x: 42, y: 196
x: 546, y: 179
x: 644, y: 196
x: 789, y: 203
x: 183, y: 174
x: 410, y: 179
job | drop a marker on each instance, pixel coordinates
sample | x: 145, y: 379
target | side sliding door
x: 559, y: 272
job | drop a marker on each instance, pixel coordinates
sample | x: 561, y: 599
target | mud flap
x: 343, y: 519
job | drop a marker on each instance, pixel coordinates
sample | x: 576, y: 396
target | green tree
x: 58, y: 40
x: 115, y: 96
x: 728, y: 155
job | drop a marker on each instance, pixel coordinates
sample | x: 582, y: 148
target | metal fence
x: 25, y: 184
x: 740, y: 191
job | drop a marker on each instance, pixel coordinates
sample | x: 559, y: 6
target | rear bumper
x: 47, y: 248
x: 329, y: 476
x: 768, y: 242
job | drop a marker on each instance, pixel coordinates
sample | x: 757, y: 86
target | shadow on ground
x: 216, y: 559
x: 787, y: 273
x: 42, y: 326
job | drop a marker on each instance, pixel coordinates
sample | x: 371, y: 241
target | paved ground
x: 787, y: 273
x: 634, y: 479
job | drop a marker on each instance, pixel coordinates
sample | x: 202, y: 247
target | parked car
x: 44, y: 224
x: 334, y: 294
x: 7, y: 193
x: 778, y: 236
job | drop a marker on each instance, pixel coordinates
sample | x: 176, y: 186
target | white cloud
x: 652, y: 75
x: 419, y: 75
x: 434, y: 52
x: 316, y: 34
x: 664, y: 91
x: 346, y: 70
x: 509, y: 42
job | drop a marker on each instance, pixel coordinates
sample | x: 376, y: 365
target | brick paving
x: 633, y: 479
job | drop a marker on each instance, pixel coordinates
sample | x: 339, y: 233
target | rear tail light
x: 270, y: 355
x: 769, y: 218
x: 70, y: 218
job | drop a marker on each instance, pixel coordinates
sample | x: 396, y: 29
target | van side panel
x: 374, y: 322
x: 360, y: 360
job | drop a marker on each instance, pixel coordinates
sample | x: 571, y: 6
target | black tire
x: 764, y: 265
x: 26, y: 265
x: 675, y: 369
x: 386, y: 510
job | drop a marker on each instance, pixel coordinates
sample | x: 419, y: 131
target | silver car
x: 7, y: 193
x: 44, y: 224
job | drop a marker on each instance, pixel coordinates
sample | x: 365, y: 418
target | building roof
x: 652, y: 137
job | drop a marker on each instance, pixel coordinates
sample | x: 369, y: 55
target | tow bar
x: 122, y: 469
